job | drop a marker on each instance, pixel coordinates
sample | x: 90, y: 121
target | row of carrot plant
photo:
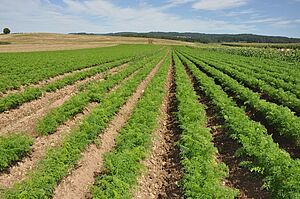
x: 261, y: 75
x: 24, y: 68
x: 202, y: 176
x: 274, y: 69
x: 14, y: 100
x: 123, y: 164
x: 280, y: 118
x: 12, y: 148
x: 281, y: 173
x: 277, y: 95
x: 41, y: 182
x: 93, y: 93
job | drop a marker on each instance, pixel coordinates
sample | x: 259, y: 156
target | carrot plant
x: 202, y: 174
x: 24, y: 68
x: 41, y: 182
x: 280, y: 118
x: 281, y: 173
x: 13, y: 148
x: 92, y: 93
x: 16, y: 99
x: 123, y: 164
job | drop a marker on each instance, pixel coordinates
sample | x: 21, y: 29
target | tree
x: 6, y: 31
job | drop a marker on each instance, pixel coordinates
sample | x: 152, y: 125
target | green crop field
x: 151, y: 121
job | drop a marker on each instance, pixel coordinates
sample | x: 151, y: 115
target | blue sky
x: 267, y: 17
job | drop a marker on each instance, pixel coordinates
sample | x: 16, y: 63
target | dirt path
x: 77, y: 183
x: 24, y: 118
x: 47, y: 81
x: 163, y: 166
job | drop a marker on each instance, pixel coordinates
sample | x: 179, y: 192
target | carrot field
x: 150, y: 121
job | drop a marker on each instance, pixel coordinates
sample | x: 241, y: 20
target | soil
x: 77, y: 183
x: 163, y: 164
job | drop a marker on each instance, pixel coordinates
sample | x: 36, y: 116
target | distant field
x: 4, y: 43
x: 49, y: 41
x: 265, y: 45
x: 148, y: 121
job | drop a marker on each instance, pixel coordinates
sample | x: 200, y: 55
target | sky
x: 266, y: 17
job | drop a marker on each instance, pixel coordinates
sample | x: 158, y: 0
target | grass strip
x: 123, y: 164
x: 202, y: 174
x: 41, y: 182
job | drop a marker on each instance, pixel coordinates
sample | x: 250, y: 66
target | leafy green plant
x: 13, y: 148
x: 123, y: 164
x: 92, y: 93
x: 41, y: 182
x: 281, y: 173
x: 202, y: 174
x: 24, y: 68
x: 280, y: 118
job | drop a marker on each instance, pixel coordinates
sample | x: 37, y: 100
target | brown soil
x: 163, y: 165
x: 17, y: 172
x: 48, y: 41
x: 77, y: 183
x: 24, y: 118
x: 249, y: 184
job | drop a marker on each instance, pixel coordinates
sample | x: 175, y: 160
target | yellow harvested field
x: 52, y: 41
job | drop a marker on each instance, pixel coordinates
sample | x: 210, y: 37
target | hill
x: 210, y: 38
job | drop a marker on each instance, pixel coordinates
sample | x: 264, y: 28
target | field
x: 162, y: 120
x: 50, y: 41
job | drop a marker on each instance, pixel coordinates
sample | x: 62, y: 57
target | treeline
x: 206, y: 38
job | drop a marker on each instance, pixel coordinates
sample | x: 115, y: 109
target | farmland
x: 150, y: 121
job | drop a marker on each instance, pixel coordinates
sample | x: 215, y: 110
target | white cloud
x: 218, y: 4
x: 102, y: 16
x: 275, y: 22
x: 148, y: 18
x: 40, y: 16
x: 249, y: 12
x: 178, y: 2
